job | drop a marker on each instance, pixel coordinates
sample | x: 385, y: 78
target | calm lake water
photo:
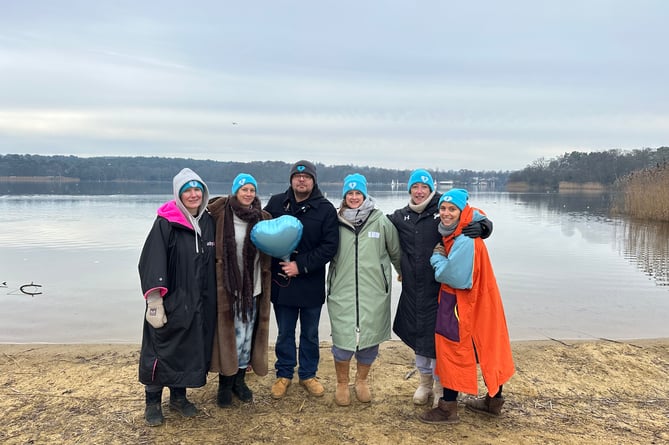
x: 565, y: 268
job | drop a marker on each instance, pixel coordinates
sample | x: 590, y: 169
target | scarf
x: 357, y: 217
x: 447, y: 230
x: 239, y: 284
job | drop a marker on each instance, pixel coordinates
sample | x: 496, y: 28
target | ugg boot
x: 153, y: 413
x: 239, y: 387
x: 362, y: 391
x: 424, y: 389
x: 342, y: 393
x: 491, y: 406
x: 224, y: 395
x: 437, y: 392
x: 444, y: 413
x: 180, y: 404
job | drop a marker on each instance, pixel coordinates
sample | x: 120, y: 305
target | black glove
x: 473, y: 230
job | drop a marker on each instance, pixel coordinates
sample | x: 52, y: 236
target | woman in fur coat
x: 243, y: 289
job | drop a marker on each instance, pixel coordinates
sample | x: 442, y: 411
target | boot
x: 342, y: 393
x: 224, y: 395
x: 444, y: 413
x: 491, y: 406
x: 362, y: 391
x: 180, y: 404
x: 437, y: 393
x: 153, y: 413
x: 424, y: 389
x: 239, y: 387
x: 280, y: 387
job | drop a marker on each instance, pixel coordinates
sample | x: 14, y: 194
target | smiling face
x: 419, y: 192
x: 246, y: 194
x: 192, y: 199
x: 354, y: 199
x: 449, y: 213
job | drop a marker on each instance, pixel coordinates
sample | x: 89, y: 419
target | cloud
x: 482, y: 86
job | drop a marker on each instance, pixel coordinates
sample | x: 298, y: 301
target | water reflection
x: 113, y: 188
x: 646, y: 244
x: 89, y: 188
x: 589, y: 204
x: 643, y: 243
x: 565, y: 267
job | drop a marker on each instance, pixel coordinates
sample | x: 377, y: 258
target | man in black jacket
x: 298, y: 285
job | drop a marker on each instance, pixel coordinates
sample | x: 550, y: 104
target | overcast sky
x: 481, y: 85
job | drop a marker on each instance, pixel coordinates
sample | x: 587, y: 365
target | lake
x: 566, y: 269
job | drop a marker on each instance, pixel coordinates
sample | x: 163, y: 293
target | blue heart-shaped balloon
x: 277, y: 237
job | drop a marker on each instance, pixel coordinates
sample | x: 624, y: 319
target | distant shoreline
x: 38, y: 179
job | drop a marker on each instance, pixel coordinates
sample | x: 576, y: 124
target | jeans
x: 426, y: 365
x: 285, y: 348
x: 363, y: 356
x: 244, y: 335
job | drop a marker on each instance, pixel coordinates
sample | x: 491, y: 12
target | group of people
x: 208, y: 290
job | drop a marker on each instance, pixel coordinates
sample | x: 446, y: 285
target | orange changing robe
x: 471, y: 320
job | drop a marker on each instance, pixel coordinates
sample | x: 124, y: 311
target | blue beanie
x: 421, y: 176
x: 356, y: 181
x: 458, y: 197
x: 241, y: 180
x: 191, y: 184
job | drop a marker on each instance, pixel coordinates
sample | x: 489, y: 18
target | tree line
x: 160, y: 169
x: 604, y: 167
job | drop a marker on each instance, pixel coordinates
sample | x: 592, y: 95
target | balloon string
x: 285, y: 277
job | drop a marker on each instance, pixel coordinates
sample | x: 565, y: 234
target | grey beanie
x: 303, y: 167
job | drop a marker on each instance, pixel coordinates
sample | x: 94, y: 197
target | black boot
x: 224, y: 396
x: 181, y: 404
x: 239, y: 387
x: 153, y: 413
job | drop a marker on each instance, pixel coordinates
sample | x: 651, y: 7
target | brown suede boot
x: 444, y: 413
x: 342, y: 393
x: 362, y: 391
x: 490, y: 406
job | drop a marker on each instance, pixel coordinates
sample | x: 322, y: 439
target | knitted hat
x: 458, y: 197
x: 241, y: 180
x: 356, y: 181
x: 303, y: 167
x: 421, y: 176
x: 191, y: 184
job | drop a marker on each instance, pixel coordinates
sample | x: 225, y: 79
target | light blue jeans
x: 426, y: 365
x: 363, y: 356
x: 244, y: 335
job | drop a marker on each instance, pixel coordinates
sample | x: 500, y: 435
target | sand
x: 562, y: 392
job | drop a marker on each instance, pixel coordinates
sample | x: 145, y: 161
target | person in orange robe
x: 471, y: 326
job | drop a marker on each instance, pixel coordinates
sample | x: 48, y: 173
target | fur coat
x: 224, y: 358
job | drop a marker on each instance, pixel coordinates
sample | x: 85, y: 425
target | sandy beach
x: 562, y: 392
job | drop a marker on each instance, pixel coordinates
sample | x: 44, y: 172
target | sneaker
x: 280, y: 387
x: 313, y: 386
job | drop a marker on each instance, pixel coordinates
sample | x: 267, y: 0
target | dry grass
x: 563, y: 392
x: 645, y: 194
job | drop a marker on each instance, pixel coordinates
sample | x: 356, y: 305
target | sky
x: 479, y: 85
